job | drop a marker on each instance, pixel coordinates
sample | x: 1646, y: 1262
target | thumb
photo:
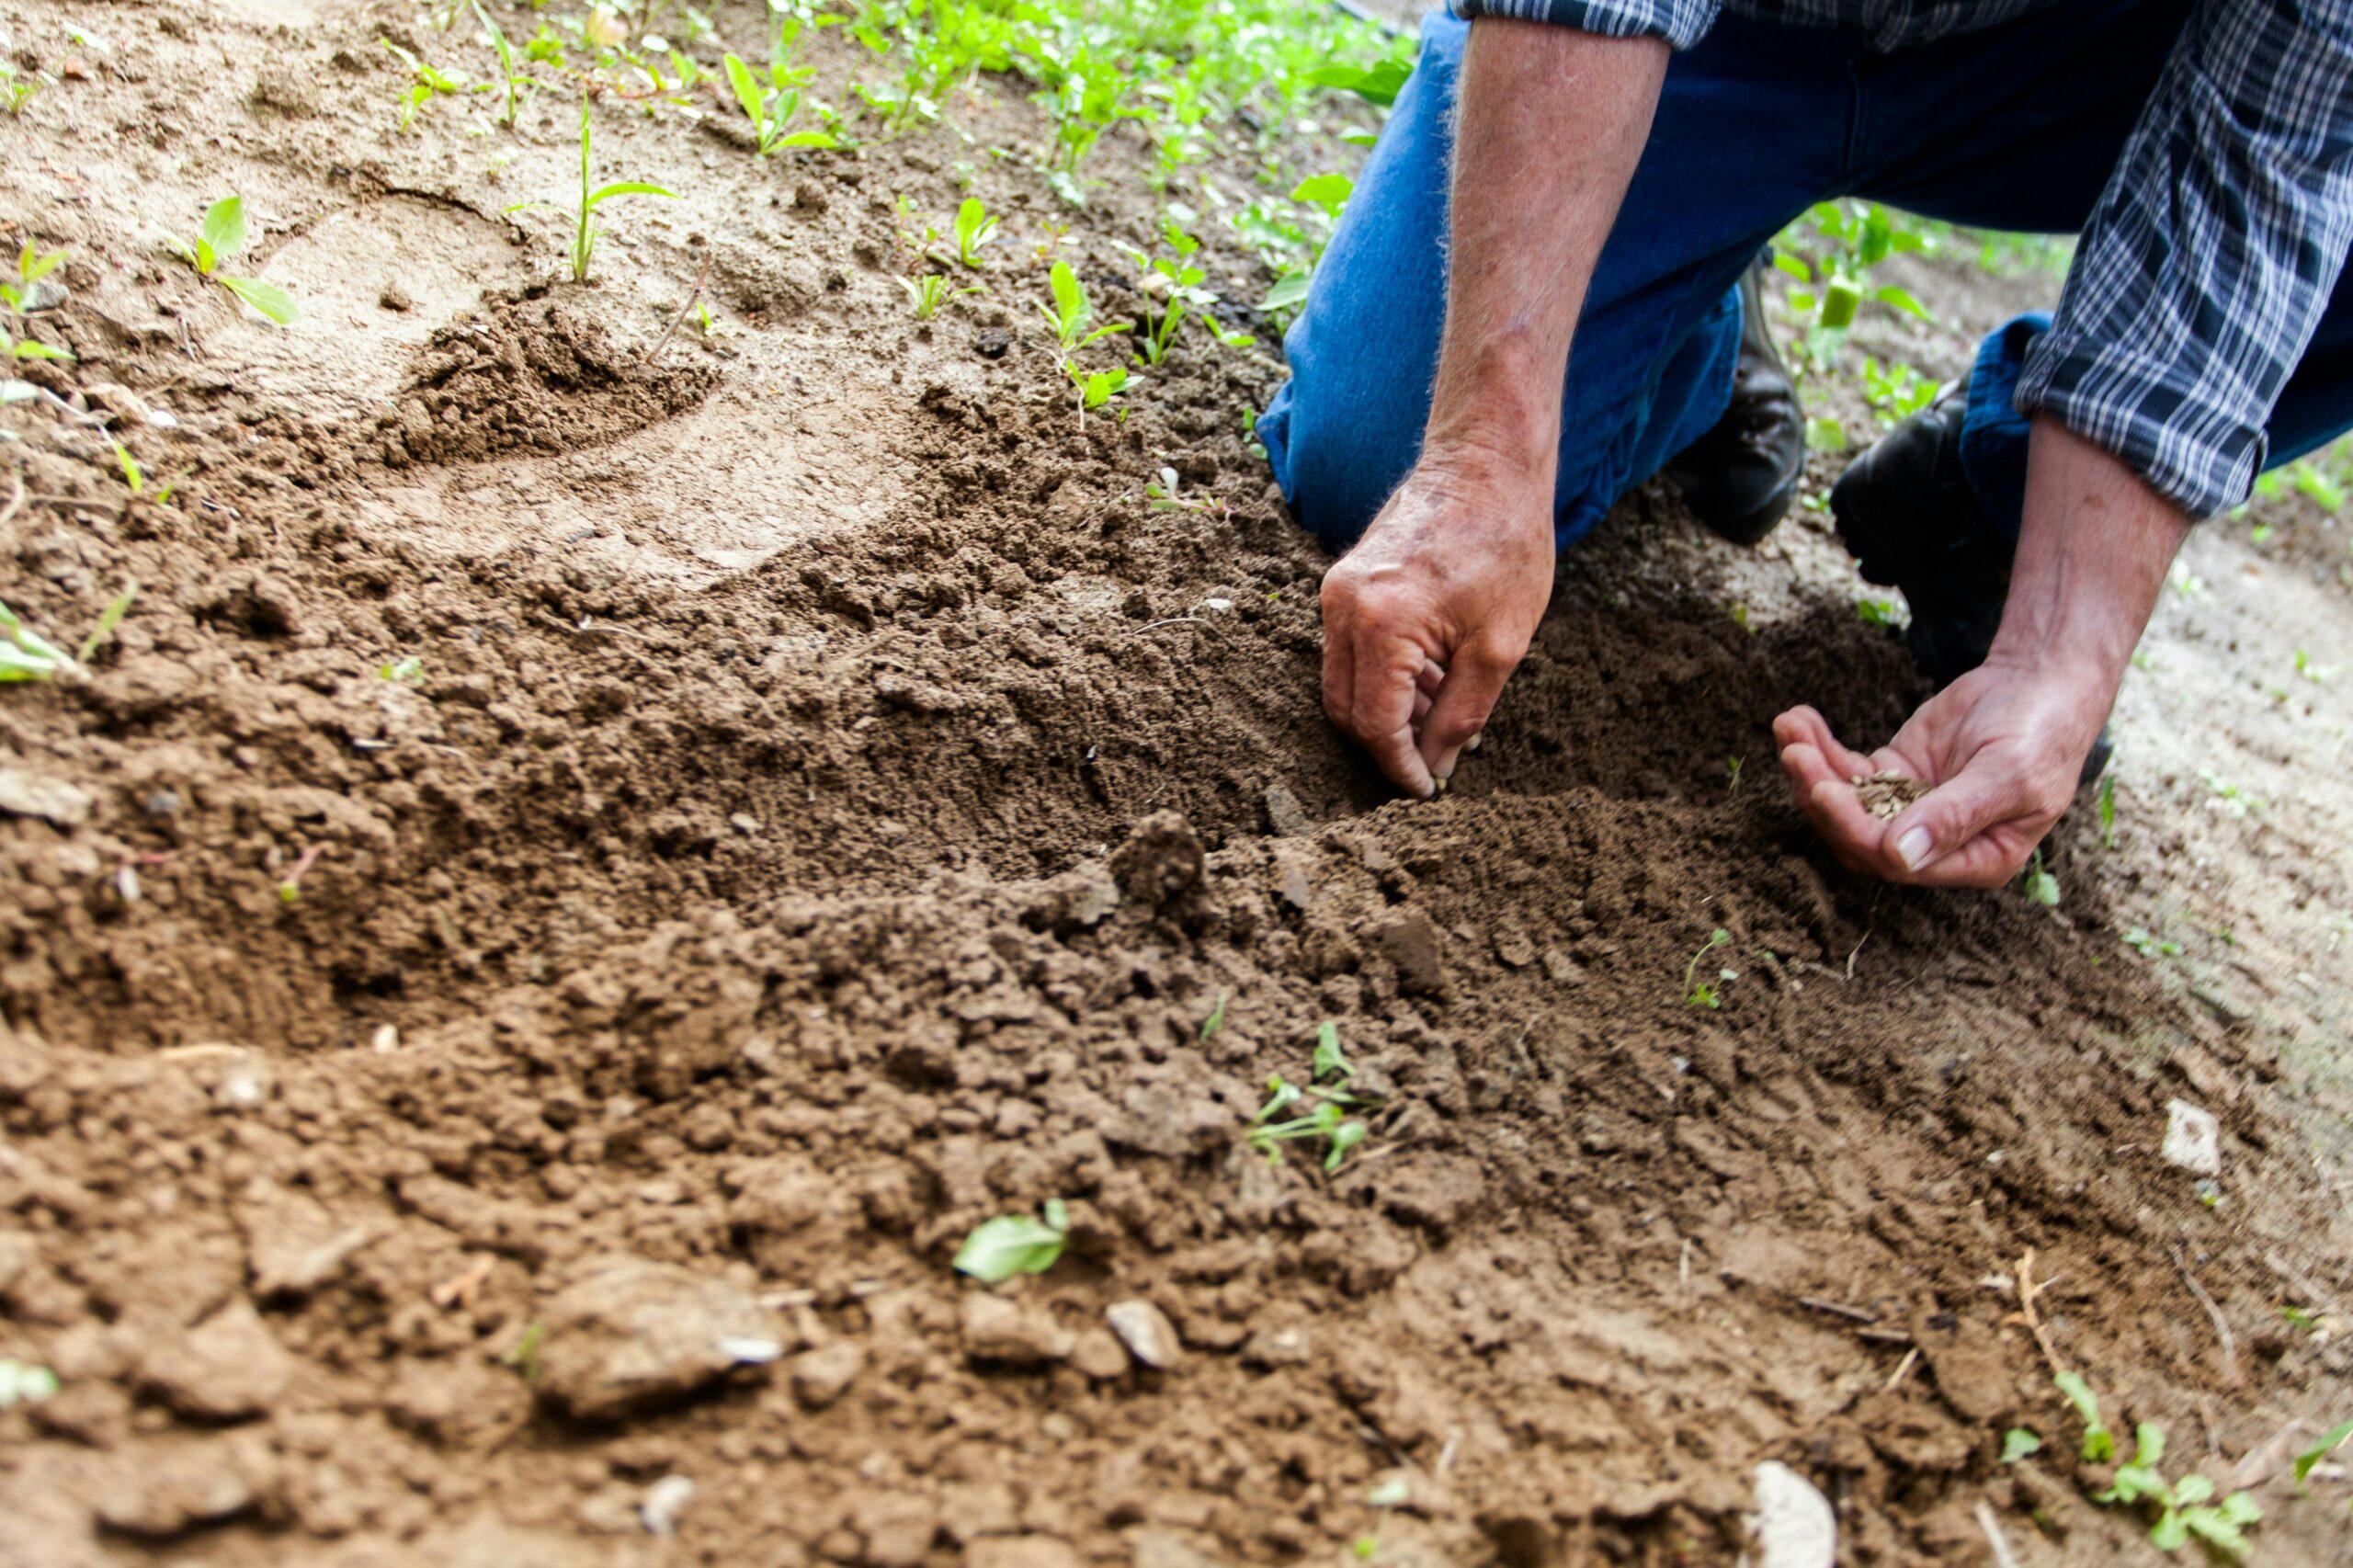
x: 1953, y: 815
x: 1474, y: 679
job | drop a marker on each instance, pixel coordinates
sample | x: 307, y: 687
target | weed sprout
x: 1697, y: 993
x: 583, y: 233
x: 222, y: 237
x: 1071, y: 313
x: 975, y: 225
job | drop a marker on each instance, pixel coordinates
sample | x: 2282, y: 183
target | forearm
x: 2094, y: 550
x: 1551, y: 124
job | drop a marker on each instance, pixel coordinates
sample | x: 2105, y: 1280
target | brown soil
x: 442, y: 1114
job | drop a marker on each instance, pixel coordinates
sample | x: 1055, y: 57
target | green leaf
x: 1839, y: 303
x: 625, y: 187
x: 1344, y: 1137
x: 1795, y: 266
x: 1287, y: 291
x: 1010, y: 1244
x: 33, y: 349
x: 2135, y: 1484
x: 2170, y: 1533
x: 2148, y: 1444
x: 2018, y: 1443
x: 1070, y: 295
x: 2331, y: 1440
x: 31, y: 267
x: 109, y: 618
x: 1378, y: 84
x: 2079, y: 1395
x: 1330, y: 1060
x: 224, y: 227
x: 747, y: 91
x: 1902, y: 300
x: 2192, y: 1489
x: 805, y: 138
x: 1215, y: 1021
x: 267, y: 298
x: 1328, y: 191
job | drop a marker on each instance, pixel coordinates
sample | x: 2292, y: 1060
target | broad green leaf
x: 747, y: 91
x: 1795, y: 266
x: 1287, y: 291
x: 1902, y: 300
x: 626, y: 187
x: 1330, y: 1060
x: 1010, y: 1245
x: 33, y: 349
x: 2192, y: 1489
x: 1839, y: 301
x: 224, y: 227
x: 267, y: 298
x: 2240, y: 1508
x: 2148, y: 1444
x: 1344, y: 1137
x: 1070, y: 297
x: 1327, y: 191
x: 2170, y: 1533
x: 1375, y: 83
x: 806, y: 139
x: 2018, y: 1443
x: 31, y: 267
x: 2330, y: 1442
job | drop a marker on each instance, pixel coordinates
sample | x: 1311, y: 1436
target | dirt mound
x: 529, y: 374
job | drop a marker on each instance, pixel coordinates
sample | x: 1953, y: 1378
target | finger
x: 1474, y: 678
x: 1421, y: 708
x: 1803, y: 726
x: 1837, y: 815
x: 1383, y: 711
x: 1339, y: 662
x: 1433, y: 676
x: 1940, y: 838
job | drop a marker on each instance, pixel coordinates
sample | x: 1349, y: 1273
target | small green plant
x: 930, y: 292
x: 2150, y: 946
x: 2319, y: 674
x: 1178, y: 280
x: 408, y: 670
x: 426, y: 84
x: 222, y: 237
x: 771, y: 105
x: 523, y: 1356
x: 1731, y: 774
x: 1014, y: 1244
x: 1069, y: 313
x: 1213, y: 1022
x: 1095, y: 388
x: 1895, y: 391
x: 1697, y: 993
x: 2108, y: 812
x: 2041, y: 886
x: 23, y: 1382
x: 583, y: 230
x: 513, y: 83
x: 16, y: 91
x: 1881, y: 612
x: 2183, y: 1507
x: 2018, y: 1443
x: 975, y: 226
x: 2099, y: 1443
x: 26, y: 654
x: 2335, y: 1437
x: 20, y: 297
x: 1329, y: 1073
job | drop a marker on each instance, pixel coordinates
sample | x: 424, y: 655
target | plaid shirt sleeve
x: 2212, y: 252
x: 1681, y: 23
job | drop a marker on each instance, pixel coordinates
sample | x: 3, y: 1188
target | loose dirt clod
x: 631, y: 1335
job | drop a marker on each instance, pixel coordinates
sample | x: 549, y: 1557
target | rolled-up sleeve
x: 2212, y: 254
x: 1681, y: 23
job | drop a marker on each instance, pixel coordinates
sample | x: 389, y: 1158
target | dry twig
x: 702, y: 275
x: 2028, y: 1293
x: 2215, y: 1314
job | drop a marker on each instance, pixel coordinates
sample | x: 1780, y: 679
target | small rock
x: 52, y: 799
x: 396, y: 298
x: 1146, y: 1330
x: 1513, y: 949
x: 1561, y: 969
x: 1284, y: 814
x: 631, y: 1335
x: 821, y: 1376
x: 1793, y: 1524
x: 227, y: 1367
x: 663, y: 1501
x: 1161, y: 859
x: 1021, y: 1552
x: 1002, y: 1331
x: 1270, y: 1348
x: 2193, y: 1138
x: 1412, y: 943
x: 1099, y: 1355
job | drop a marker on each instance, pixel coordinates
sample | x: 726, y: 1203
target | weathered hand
x: 1428, y: 615
x: 2001, y: 746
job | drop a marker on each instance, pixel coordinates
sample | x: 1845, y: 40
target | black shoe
x: 1905, y: 510
x: 1740, y: 477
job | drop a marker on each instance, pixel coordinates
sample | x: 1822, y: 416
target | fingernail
x: 1913, y: 848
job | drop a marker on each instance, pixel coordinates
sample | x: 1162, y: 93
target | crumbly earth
x: 521, y: 1107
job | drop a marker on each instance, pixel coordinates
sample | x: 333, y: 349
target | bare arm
x: 1428, y: 617
x: 2004, y: 743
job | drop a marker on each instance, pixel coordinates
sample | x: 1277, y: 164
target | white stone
x: 2193, y: 1138
x: 1793, y: 1525
x: 665, y: 1501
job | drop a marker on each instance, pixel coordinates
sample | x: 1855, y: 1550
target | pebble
x: 1146, y: 1330
x: 1284, y: 814
x: 1793, y: 1524
x: 663, y: 1501
x: 52, y: 799
x: 631, y: 1335
x: 1002, y: 1331
x: 821, y: 1376
x: 2193, y: 1138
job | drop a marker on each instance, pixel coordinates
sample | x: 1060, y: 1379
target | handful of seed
x: 1886, y: 793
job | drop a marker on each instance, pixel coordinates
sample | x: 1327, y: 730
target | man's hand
x: 1429, y: 614
x: 2002, y: 746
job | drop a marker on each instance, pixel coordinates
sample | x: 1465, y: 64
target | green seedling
x: 975, y: 225
x: 1731, y: 774
x: 2335, y: 1437
x: 16, y: 91
x: 2183, y: 1507
x: 523, y: 1356
x: 2099, y: 1443
x: 22, y: 1382
x: 1178, y: 280
x: 1014, y: 1244
x: 1327, y: 1119
x: 1881, y: 612
x: 513, y: 83
x: 772, y: 104
x: 1214, y: 1022
x: 1895, y: 391
x: 929, y: 292
x: 21, y: 297
x: 1095, y: 388
x: 1824, y: 434
x: 2229, y: 799
x: 583, y: 230
x: 2150, y: 946
x: 426, y: 84
x: 2319, y: 674
x: 222, y: 237
x: 1327, y: 193
x: 2108, y: 812
x: 2018, y: 1443
x: 26, y: 654
x: 1697, y: 993
x: 1288, y: 292
x: 2041, y: 886
x: 408, y: 670
x: 1071, y: 313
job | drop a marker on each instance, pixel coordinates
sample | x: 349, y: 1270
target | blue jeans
x: 2015, y: 126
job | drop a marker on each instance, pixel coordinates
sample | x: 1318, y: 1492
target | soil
x: 525, y: 1112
